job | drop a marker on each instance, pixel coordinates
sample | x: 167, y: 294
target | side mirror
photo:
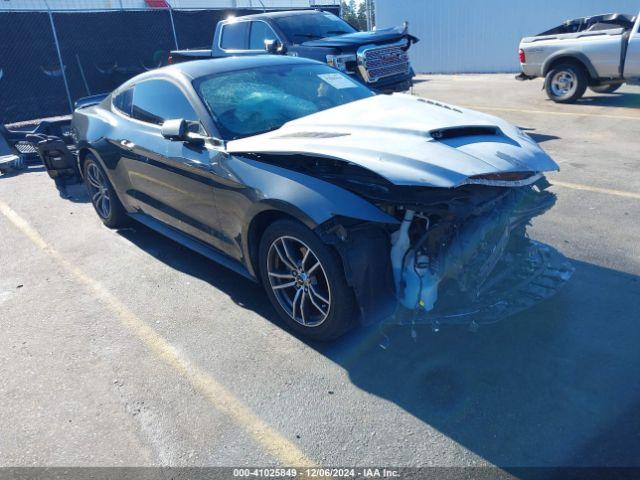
x: 175, y: 129
x: 274, y: 47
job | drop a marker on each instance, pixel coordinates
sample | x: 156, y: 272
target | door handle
x: 127, y: 144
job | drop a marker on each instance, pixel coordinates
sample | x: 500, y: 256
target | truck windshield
x: 312, y: 26
x: 253, y: 101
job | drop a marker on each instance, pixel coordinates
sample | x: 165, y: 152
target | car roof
x: 277, y: 14
x: 203, y: 68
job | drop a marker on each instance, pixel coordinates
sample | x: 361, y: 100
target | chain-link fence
x: 49, y: 59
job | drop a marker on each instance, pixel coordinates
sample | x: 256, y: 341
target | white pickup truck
x: 600, y: 52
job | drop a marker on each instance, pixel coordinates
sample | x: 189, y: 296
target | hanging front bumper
x: 520, y: 281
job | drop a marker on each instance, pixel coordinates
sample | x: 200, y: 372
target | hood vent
x: 438, y: 104
x: 456, y: 132
x: 313, y: 135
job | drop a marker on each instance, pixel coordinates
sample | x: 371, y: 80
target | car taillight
x: 523, y: 57
x: 170, y: 59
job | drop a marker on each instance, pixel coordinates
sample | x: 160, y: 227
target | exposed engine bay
x: 453, y: 253
x: 459, y: 255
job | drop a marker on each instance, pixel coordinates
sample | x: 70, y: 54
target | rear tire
x: 305, y: 282
x: 608, y: 88
x: 566, y: 83
x: 102, y: 194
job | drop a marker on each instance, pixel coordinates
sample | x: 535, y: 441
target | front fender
x: 310, y: 199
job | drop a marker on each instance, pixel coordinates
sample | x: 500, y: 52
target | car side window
x: 155, y: 101
x: 235, y: 36
x: 260, y: 31
x: 123, y: 101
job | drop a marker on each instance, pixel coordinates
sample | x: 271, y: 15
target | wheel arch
x: 357, y: 245
x: 257, y: 226
x: 83, y: 153
x: 576, y: 58
x: 278, y: 191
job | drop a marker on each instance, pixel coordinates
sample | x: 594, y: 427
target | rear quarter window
x: 123, y: 101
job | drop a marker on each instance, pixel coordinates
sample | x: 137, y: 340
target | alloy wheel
x: 564, y: 83
x: 298, y: 281
x: 99, y: 190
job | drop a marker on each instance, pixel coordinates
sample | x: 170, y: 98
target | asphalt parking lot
x: 123, y: 348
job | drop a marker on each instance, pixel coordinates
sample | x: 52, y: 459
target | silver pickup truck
x: 600, y: 52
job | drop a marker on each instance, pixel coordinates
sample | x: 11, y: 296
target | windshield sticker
x: 338, y: 81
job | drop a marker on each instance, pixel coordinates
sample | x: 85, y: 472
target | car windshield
x: 312, y: 26
x: 253, y: 101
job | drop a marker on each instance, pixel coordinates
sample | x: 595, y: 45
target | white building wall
x: 473, y: 36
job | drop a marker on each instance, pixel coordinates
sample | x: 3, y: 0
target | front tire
x: 102, y: 194
x: 305, y: 282
x: 566, y: 83
x: 607, y: 88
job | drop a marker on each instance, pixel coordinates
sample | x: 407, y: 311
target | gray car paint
x: 391, y: 136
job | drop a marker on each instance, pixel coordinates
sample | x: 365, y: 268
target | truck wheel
x: 566, y: 83
x: 305, y: 281
x: 607, y: 88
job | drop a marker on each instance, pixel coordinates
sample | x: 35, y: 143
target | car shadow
x: 74, y: 192
x: 557, y: 385
x: 27, y: 169
x: 242, y: 291
x: 541, y: 137
x: 621, y: 100
x: 547, y: 387
x: 538, y: 137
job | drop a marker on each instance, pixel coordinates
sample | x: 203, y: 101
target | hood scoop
x: 457, y: 132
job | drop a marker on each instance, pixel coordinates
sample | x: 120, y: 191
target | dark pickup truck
x: 377, y: 59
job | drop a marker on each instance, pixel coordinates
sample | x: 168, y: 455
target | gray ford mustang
x: 347, y: 206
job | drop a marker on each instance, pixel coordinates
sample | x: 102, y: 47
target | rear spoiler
x: 89, y: 101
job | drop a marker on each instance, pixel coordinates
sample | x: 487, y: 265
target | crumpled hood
x: 357, y: 39
x: 391, y: 135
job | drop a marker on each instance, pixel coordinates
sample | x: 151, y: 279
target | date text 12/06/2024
x: 316, y: 473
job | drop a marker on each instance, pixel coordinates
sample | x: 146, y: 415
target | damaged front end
x: 459, y: 189
x: 460, y: 256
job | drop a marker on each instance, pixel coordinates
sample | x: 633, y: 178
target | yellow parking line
x: 217, y: 394
x: 608, y: 191
x: 551, y: 112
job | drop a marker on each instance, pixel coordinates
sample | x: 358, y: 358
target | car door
x: 632, y: 62
x: 171, y: 180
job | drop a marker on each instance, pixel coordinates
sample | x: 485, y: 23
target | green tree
x: 351, y: 14
x: 362, y: 16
